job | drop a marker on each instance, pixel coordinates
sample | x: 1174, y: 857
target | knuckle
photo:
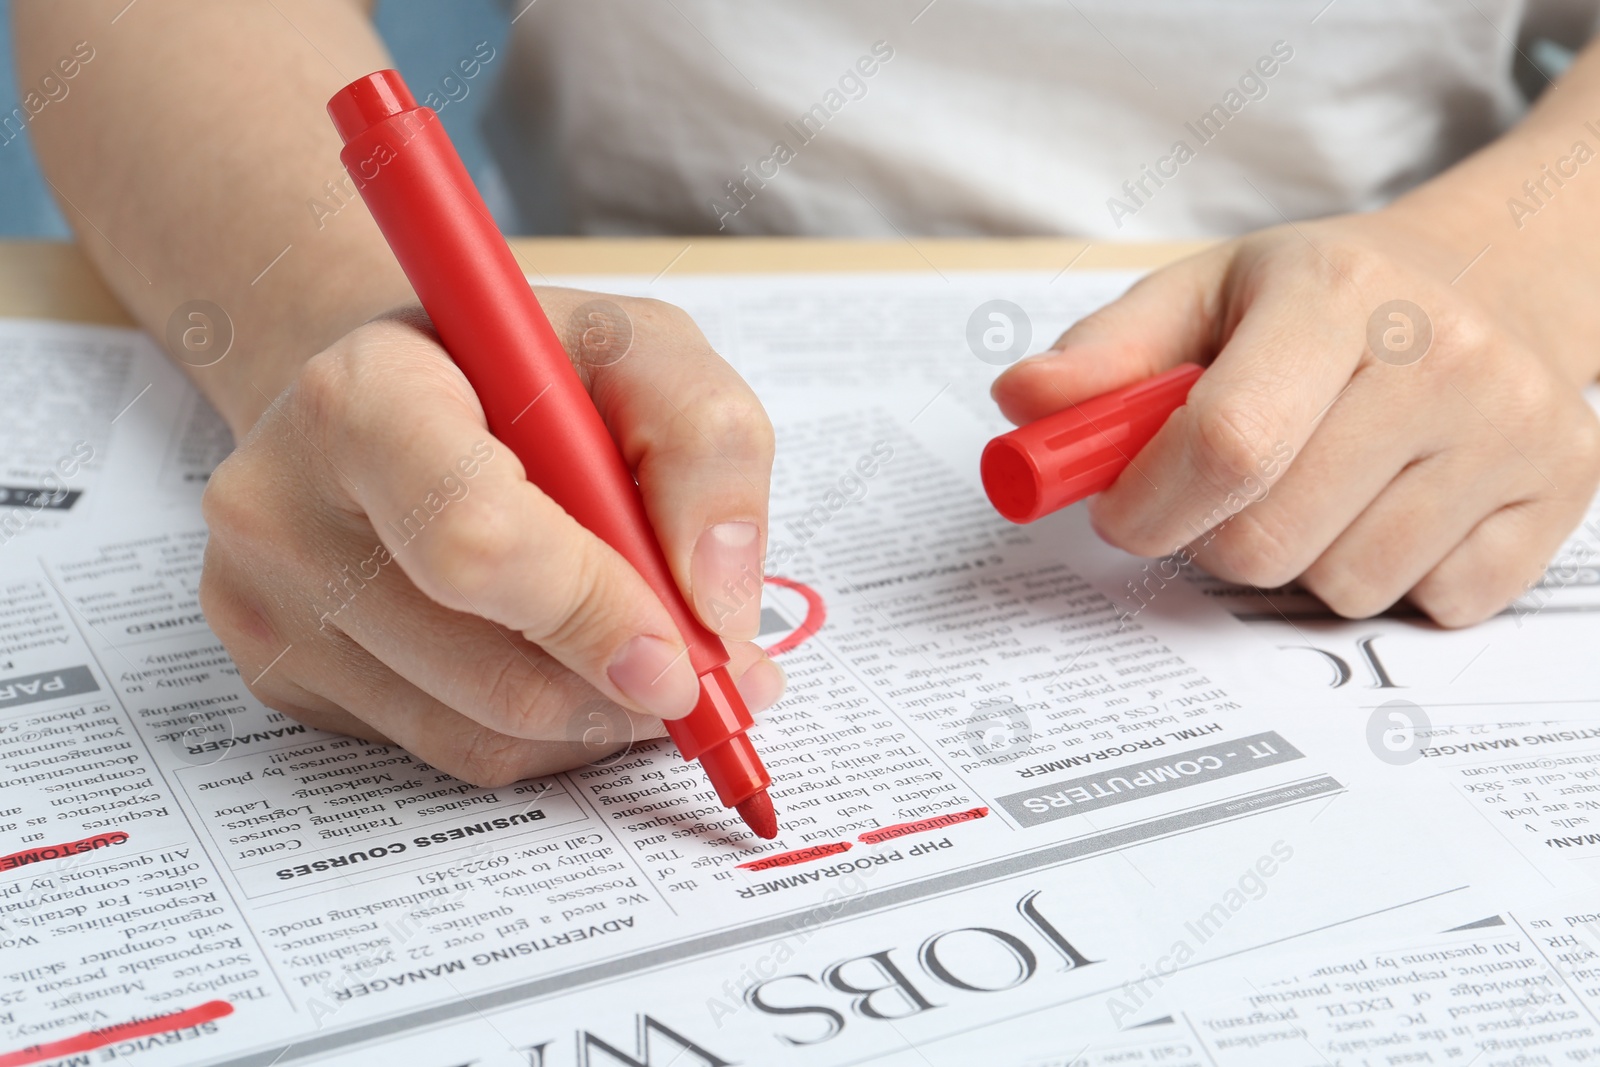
x: 464, y: 558
x: 270, y: 687
x: 1348, y: 595
x: 509, y: 695
x: 578, y: 616
x: 1506, y: 556
x: 734, y: 421
x: 1119, y: 532
x: 1582, y: 447
x: 658, y: 319
x: 1253, y: 548
x: 1529, y: 399
x: 1469, y: 332
x: 660, y: 312
x: 1494, y: 567
x: 229, y: 507
x: 242, y: 625
x: 1452, y: 605
x: 320, y: 392
x: 1584, y: 439
x: 1344, y: 262
x: 489, y: 759
x: 498, y: 695
x: 264, y: 694
x: 1566, y: 449
x: 1229, y: 440
x: 217, y: 604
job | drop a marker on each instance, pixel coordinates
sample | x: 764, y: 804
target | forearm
x: 1530, y: 205
x: 190, y: 155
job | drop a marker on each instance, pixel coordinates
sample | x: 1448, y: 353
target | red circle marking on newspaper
x: 90, y: 1040
x: 66, y: 848
x: 816, y: 615
x: 921, y: 826
x: 788, y: 859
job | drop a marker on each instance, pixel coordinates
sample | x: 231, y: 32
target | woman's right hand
x: 379, y: 565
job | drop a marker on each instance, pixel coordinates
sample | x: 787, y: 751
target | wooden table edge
x: 53, y: 279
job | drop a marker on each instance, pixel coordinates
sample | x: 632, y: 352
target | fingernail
x: 656, y: 676
x: 762, y: 685
x: 725, y: 574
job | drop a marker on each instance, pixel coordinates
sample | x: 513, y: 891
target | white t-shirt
x: 1099, y: 118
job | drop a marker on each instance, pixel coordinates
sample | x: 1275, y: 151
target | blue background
x: 426, y: 37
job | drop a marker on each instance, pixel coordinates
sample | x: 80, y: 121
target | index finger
x: 1288, y: 360
x: 694, y: 434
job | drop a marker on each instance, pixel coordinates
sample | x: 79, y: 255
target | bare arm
x: 1540, y: 261
x: 186, y: 154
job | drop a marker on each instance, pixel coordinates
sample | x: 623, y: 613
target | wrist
x: 271, y: 346
x: 247, y: 388
x: 1531, y: 281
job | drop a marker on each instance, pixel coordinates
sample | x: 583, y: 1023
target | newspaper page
x: 1005, y: 798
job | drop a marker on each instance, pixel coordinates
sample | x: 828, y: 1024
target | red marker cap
x: 1076, y: 453
x: 368, y: 101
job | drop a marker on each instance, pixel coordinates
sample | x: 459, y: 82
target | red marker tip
x: 756, y: 811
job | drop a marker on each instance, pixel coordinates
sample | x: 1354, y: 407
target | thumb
x: 1167, y: 318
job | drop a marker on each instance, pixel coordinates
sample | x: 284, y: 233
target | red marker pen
x: 1062, y: 458
x: 491, y: 324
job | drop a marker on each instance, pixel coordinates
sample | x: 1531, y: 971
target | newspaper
x: 1020, y: 821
